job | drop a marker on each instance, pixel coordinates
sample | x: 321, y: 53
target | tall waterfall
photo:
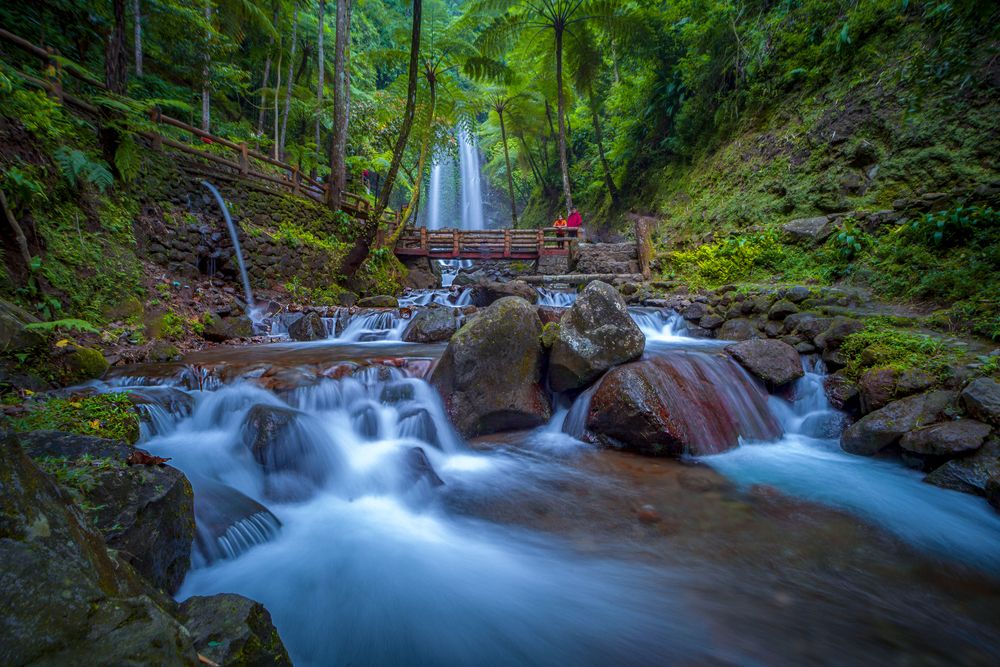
x: 472, y: 187
x: 434, y: 198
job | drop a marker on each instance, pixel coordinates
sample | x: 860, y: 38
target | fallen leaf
x: 62, y: 343
x: 76, y: 404
x: 95, y: 424
x: 141, y: 458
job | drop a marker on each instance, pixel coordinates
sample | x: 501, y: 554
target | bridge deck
x: 485, y: 244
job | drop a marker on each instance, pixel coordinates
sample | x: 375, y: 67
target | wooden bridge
x: 526, y: 244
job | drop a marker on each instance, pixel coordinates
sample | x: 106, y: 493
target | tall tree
x: 288, y: 90
x: 341, y: 107
x: 362, y: 244
x: 206, y: 72
x: 320, y: 71
x: 115, y: 63
x: 501, y: 101
x: 137, y: 35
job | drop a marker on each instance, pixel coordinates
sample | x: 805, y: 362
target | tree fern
x: 127, y: 160
x: 68, y: 324
x: 76, y: 167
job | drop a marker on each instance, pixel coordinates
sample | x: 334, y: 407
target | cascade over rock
x: 679, y: 404
x: 308, y: 327
x: 595, y: 333
x: 489, y: 375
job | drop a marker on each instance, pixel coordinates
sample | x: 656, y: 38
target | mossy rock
x: 79, y: 364
x: 234, y: 631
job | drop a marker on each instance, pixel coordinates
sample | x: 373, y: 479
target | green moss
x: 105, y: 416
x: 550, y: 333
x: 881, y: 346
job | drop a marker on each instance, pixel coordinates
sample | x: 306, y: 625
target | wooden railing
x: 244, y: 161
x: 485, y: 244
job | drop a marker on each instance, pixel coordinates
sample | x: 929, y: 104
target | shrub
x: 881, y: 346
x: 731, y: 260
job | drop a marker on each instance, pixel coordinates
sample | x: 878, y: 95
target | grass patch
x: 880, y: 345
x: 109, y: 416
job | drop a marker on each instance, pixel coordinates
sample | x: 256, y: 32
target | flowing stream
x: 248, y: 293
x: 330, y: 486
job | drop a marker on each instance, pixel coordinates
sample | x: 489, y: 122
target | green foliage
x: 104, y: 415
x: 68, y: 324
x: 78, y: 474
x: 952, y: 227
x: 851, y: 241
x: 326, y: 295
x: 879, y: 345
x: 78, y: 168
x: 730, y: 260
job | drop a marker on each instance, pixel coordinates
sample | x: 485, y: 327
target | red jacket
x: 574, y: 219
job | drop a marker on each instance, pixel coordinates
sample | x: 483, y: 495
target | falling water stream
x: 375, y: 535
x: 248, y: 293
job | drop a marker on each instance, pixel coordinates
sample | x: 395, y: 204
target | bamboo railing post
x: 244, y: 159
x: 295, y: 180
x: 540, y: 240
x: 54, y: 73
x: 506, y: 243
x: 423, y: 240
x: 455, y: 244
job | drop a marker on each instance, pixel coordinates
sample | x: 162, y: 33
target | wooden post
x: 506, y: 243
x: 54, y: 73
x: 643, y: 246
x: 244, y: 159
x: 295, y: 179
x: 423, y: 241
x: 154, y: 115
x: 454, y: 243
x: 540, y: 239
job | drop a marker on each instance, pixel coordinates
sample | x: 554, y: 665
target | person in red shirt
x: 574, y: 222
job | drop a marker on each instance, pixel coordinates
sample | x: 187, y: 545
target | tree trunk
x: 206, y: 72
x: 341, y: 102
x: 277, y: 105
x: 510, y: 174
x: 421, y: 161
x: 115, y: 63
x: 288, y: 86
x: 362, y: 245
x: 263, y: 96
x: 608, y: 181
x: 137, y: 27
x: 561, y: 112
x: 22, y: 242
x: 320, y: 73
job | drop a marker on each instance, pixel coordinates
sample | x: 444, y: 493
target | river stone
x: 947, y: 438
x: 711, y: 321
x: 774, y: 362
x: 798, y: 294
x: 76, y: 363
x: 969, y: 474
x: 66, y: 598
x: 981, y: 399
x: 233, y: 630
x: 782, y: 309
x: 841, y: 391
x: 839, y: 329
x: 877, y: 388
x: 308, y: 327
x: 379, y: 301
x: 489, y: 375
x: 220, y: 329
x: 431, y: 325
x: 595, y: 333
x: 487, y: 291
x: 881, y: 428
x: 145, y: 512
x: 737, y: 329
x: 218, y: 508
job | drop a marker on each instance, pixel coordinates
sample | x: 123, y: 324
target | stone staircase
x: 600, y: 258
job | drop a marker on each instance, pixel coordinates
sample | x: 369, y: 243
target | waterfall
x: 434, y: 198
x: 236, y: 242
x: 472, y: 190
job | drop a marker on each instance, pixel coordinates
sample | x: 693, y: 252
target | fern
x: 68, y: 324
x: 127, y: 160
x: 77, y: 168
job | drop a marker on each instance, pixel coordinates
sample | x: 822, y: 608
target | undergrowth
x: 109, y: 416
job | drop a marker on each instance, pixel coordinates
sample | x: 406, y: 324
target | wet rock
x: 812, y: 230
x: 694, y: 312
x: 220, y: 329
x: 66, y: 598
x: 711, y: 321
x: 595, y: 333
x: 379, y: 301
x: 798, y: 294
x: 549, y: 315
x: 663, y: 407
x: 969, y: 474
x: 981, y: 399
x: 839, y: 329
x: 489, y: 375
x: 782, y: 309
x: 308, y: 327
x: 842, y: 392
x: 881, y: 428
x: 431, y: 325
x: 228, y: 522
x: 161, y: 351
x: 277, y: 442
x: 772, y: 361
x: 232, y: 630
x: 487, y: 292
x: 807, y: 325
x: 948, y: 438
x: 76, y: 363
x: 145, y: 512
x: 993, y: 492
x: 737, y: 329
x: 877, y: 388
x: 418, y: 468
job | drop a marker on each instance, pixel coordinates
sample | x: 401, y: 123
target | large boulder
x: 595, y: 334
x: 489, y: 375
x: 76, y: 363
x: 981, y: 399
x: 235, y: 631
x: 431, y: 325
x: 66, y: 598
x: 969, y: 474
x: 738, y: 328
x: 811, y: 230
x: 308, y: 327
x: 842, y: 392
x: 220, y: 329
x: 663, y: 407
x: 840, y: 328
x: 774, y: 362
x: 948, y: 438
x: 14, y: 337
x: 146, y: 512
x: 486, y: 292
x: 882, y: 428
